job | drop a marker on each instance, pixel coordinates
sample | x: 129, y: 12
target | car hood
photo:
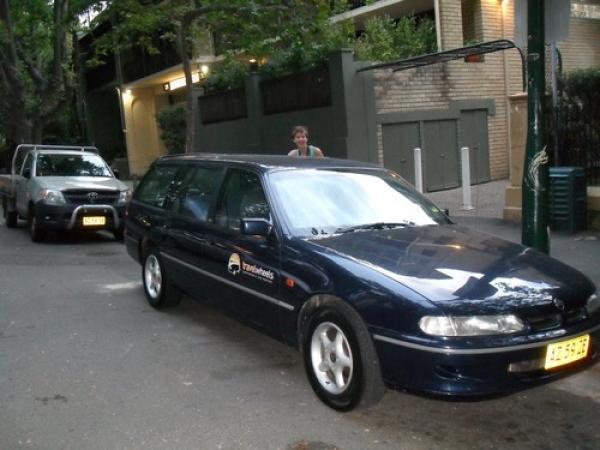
x: 81, y: 183
x: 454, y: 266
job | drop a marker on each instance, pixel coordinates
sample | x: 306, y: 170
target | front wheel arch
x: 144, y: 247
x: 308, y: 309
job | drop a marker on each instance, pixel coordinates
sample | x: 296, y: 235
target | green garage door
x: 437, y: 134
x: 399, y: 142
x: 474, y: 134
x: 440, y: 155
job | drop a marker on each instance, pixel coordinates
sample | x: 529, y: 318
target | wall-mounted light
x: 128, y: 91
x: 204, y: 70
x: 179, y: 83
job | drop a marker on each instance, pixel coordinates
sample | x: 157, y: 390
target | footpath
x: 580, y: 250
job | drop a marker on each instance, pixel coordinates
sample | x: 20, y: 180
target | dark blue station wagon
x: 371, y: 281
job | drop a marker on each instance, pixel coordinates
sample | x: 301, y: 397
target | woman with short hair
x: 300, y: 138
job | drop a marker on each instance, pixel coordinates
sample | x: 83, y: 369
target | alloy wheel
x: 331, y: 357
x: 153, y: 276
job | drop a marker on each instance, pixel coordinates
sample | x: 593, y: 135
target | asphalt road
x: 85, y: 363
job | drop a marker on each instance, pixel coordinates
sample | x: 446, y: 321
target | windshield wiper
x: 374, y: 226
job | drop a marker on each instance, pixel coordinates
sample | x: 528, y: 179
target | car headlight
x: 593, y: 304
x: 52, y: 197
x: 124, y: 196
x: 471, y: 325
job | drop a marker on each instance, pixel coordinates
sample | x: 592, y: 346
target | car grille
x: 545, y: 322
x: 89, y: 197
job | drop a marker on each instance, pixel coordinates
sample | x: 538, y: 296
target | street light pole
x: 535, y: 173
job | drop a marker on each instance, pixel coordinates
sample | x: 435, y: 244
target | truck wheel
x: 160, y: 291
x: 340, y: 359
x: 36, y: 232
x: 10, y: 217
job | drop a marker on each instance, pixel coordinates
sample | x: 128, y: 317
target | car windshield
x: 71, y: 166
x: 320, y: 202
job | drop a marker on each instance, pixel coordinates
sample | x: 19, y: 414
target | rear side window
x: 153, y: 188
x: 197, y: 197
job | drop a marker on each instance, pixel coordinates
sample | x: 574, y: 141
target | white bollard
x: 418, y: 170
x: 466, y: 178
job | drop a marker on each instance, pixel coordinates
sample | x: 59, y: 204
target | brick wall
x: 433, y: 87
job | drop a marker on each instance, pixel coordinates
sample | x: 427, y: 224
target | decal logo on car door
x: 236, y: 265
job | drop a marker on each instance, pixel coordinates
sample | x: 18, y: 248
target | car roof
x: 65, y: 152
x: 273, y: 162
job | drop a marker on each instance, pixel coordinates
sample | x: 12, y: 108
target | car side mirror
x: 447, y: 212
x: 117, y: 173
x: 27, y: 173
x: 256, y: 226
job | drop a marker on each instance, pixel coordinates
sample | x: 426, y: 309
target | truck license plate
x: 565, y: 352
x: 92, y: 221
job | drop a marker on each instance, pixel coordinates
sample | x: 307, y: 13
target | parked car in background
x: 63, y: 188
x: 370, y: 280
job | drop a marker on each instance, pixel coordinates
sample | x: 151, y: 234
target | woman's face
x: 300, y: 139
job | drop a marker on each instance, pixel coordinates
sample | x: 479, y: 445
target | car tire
x: 10, y: 217
x: 340, y: 358
x: 119, y: 234
x: 36, y: 232
x: 160, y: 291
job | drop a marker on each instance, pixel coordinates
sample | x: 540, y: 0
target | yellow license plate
x: 565, y: 352
x: 92, y: 221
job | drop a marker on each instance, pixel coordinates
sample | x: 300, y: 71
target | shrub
x: 308, y: 46
x: 582, y: 87
x: 229, y: 75
x: 171, y: 121
x: 386, y: 39
x: 578, y: 125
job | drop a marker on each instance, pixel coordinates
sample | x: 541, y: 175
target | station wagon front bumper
x: 476, y: 371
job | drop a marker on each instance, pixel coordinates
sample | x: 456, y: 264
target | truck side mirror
x: 27, y: 172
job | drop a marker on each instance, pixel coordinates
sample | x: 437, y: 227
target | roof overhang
x: 169, y: 74
x: 393, y: 8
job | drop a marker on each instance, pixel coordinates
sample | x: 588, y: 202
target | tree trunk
x: 190, y: 110
x: 184, y: 52
x: 50, y: 90
x: 17, y: 127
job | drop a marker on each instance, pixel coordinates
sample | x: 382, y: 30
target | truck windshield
x: 71, y: 166
x: 320, y: 202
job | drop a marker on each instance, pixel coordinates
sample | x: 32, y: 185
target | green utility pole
x: 535, y: 169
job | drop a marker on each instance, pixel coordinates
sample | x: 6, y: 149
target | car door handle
x: 143, y: 220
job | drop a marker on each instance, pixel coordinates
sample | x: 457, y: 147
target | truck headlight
x: 124, y: 196
x: 593, y: 304
x: 471, y: 325
x: 52, y: 197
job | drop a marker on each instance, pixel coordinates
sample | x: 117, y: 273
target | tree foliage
x: 307, y: 40
x: 303, y: 41
x: 386, y: 39
x: 37, y: 67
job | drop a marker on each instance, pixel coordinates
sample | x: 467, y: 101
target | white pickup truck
x: 62, y: 188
